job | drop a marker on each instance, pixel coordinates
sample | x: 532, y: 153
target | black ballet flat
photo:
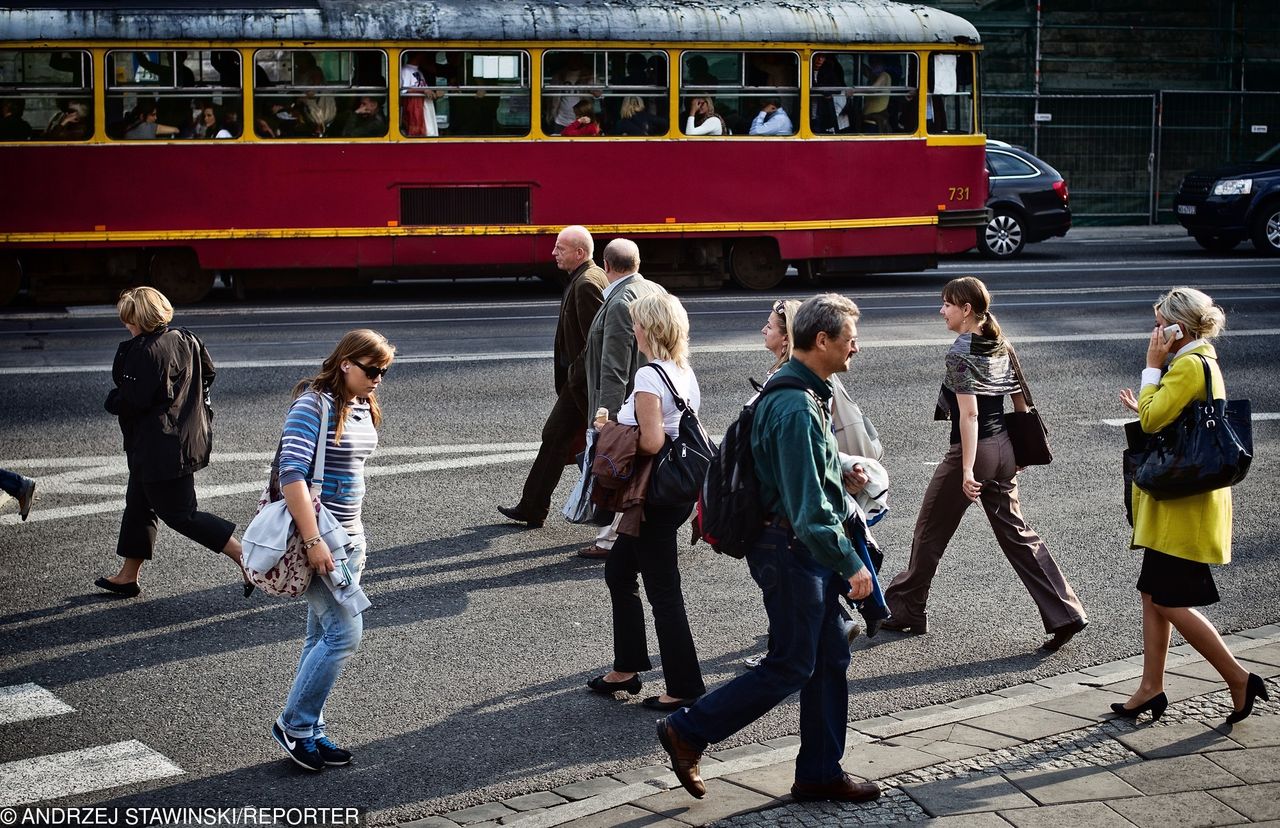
x: 1156, y: 704
x: 608, y: 688
x: 1254, y: 689
x: 129, y: 590
x: 248, y: 589
x: 656, y: 703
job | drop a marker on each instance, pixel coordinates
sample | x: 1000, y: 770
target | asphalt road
x: 469, y: 685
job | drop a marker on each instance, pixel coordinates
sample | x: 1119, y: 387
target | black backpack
x: 730, y: 516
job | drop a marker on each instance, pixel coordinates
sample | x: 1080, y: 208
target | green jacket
x: 798, y: 467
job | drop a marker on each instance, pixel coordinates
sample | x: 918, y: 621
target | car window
x: 1002, y: 163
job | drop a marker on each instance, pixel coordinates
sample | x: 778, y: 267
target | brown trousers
x: 940, y: 514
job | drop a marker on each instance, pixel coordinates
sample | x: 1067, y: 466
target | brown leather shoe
x: 594, y: 552
x: 684, y: 759
x: 844, y: 789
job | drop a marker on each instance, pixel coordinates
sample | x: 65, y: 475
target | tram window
x: 464, y: 92
x: 45, y: 95
x: 190, y: 93
x: 949, y: 106
x: 739, y: 93
x: 627, y: 90
x: 863, y: 93
x: 319, y: 93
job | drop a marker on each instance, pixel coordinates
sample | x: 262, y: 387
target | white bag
x: 580, y: 509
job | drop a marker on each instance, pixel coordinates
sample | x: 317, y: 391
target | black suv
x: 1221, y: 207
x: 1028, y: 199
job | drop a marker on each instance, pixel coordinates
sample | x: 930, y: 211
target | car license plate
x: 1187, y: 209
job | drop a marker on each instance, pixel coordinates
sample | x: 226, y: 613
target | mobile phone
x: 1172, y: 332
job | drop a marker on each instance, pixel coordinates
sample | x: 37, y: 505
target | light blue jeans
x: 332, y: 637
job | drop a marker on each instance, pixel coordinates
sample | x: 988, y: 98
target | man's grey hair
x: 622, y: 256
x: 826, y: 312
x: 579, y: 236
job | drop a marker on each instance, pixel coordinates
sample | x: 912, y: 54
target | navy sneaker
x: 331, y: 753
x: 303, y: 752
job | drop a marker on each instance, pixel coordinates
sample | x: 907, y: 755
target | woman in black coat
x: 162, y: 377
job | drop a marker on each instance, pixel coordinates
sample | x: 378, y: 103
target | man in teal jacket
x: 803, y: 563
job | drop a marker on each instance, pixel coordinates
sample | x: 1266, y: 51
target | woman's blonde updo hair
x: 666, y: 326
x: 1199, y: 317
x: 145, y: 307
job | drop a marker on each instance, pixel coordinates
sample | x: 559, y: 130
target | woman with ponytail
x: 979, y: 467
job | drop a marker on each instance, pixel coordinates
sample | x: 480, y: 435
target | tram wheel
x: 10, y: 278
x: 176, y: 273
x: 756, y: 264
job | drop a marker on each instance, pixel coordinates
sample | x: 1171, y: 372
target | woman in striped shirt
x: 348, y: 381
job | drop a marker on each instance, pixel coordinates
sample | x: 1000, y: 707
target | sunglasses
x: 370, y: 371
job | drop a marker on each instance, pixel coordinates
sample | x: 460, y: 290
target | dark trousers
x: 808, y: 652
x: 174, y: 502
x: 11, y: 482
x: 652, y: 556
x: 562, y: 436
x: 940, y: 513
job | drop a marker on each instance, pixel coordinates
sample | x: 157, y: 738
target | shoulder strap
x: 1017, y: 373
x: 317, y: 479
x: 680, y: 403
x: 1208, y: 378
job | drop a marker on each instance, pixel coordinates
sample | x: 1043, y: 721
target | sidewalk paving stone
x: 1252, y: 765
x: 1180, y: 773
x: 1205, y: 671
x: 1257, y: 802
x: 966, y: 735
x: 1271, y: 672
x: 938, y: 747
x: 1269, y: 631
x: 430, y: 822
x: 1066, y: 679
x: 738, y: 752
x: 974, y: 701
x: 1267, y: 654
x: 1161, y: 742
x: 1107, y: 668
x: 723, y: 799
x: 921, y: 712
x: 649, y: 773
x: 1254, y: 732
x: 878, y: 761
x: 529, y: 802
x: 986, y: 792
x: 624, y: 816
x: 513, y: 819
x: 771, y: 780
x: 489, y: 811
x: 1194, y: 808
x: 1093, y: 814
x: 981, y: 819
x: 1058, y: 786
x: 1018, y: 690
x: 587, y: 787
x: 783, y: 742
x: 1093, y: 704
x: 1176, y: 687
x: 1028, y: 723
x: 863, y: 725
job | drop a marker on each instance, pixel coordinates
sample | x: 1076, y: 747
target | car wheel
x: 1266, y: 229
x: 1004, y: 235
x: 1218, y: 244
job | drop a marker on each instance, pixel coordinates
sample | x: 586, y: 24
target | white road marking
x: 1120, y: 422
x: 24, y: 702
x: 743, y: 345
x: 81, y: 771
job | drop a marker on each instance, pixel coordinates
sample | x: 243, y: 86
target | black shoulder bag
x: 681, y: 465
x: 1026, y: 429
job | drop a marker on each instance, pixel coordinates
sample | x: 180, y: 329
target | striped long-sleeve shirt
x: 343, y: 490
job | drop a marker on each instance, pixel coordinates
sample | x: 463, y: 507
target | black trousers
x: 565, y: 429
x: 652, y: 555
x: 174, y: 502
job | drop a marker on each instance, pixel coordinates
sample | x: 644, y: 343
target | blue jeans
x: 332, y: 636
x: 808, y: 652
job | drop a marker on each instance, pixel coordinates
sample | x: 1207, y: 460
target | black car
x: 1028, y: 199
x: 1223, y: 206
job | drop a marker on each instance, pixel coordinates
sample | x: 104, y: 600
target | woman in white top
x: 662, y: 335
x: 703, y: 119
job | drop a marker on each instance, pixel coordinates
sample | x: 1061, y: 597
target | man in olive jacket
x: 563, y: 435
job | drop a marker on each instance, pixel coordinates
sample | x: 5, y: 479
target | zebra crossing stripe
x: 29, y: 701
x: 81, y: 771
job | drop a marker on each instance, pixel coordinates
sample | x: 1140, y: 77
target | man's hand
x: 855, y: 479
x: 860, y: 585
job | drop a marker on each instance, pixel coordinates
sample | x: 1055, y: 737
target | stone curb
x: 624, y: 789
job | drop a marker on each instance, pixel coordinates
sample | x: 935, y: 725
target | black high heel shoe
x: 1156, y: 704
x: 1255, y: 688
x: 608, y: 688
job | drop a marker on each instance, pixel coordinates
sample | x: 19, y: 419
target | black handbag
x: 1209, y: 446
x: 1026, y: 429
x: 681, y: 465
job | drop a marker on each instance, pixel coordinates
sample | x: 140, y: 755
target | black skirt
x: 1176, y: 582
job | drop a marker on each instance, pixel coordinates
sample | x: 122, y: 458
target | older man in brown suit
x: 563, y: 435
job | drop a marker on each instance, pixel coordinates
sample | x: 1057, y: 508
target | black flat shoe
x: 904, y: 625
x: 129, y: 590
x: 608, y: 688
x: 1062, y: 635
x: 1156, y: 704
x: 1255, y: 688
x: 513, y: 513
x: 248, y: 589
x: 656, y: 703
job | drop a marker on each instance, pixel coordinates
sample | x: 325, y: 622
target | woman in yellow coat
x: 1181, y: 537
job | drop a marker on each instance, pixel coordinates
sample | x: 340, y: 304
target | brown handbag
x: 1026, y: 429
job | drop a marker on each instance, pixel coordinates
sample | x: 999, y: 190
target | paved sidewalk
x: 1039, y: 754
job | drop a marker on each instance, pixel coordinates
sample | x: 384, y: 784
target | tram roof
x: 816, y: 21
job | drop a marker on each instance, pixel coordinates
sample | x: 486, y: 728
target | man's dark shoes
x: 684, y: 759
x: 331, y: 753
x: 302, y: 751
x: 1062, y: 635
x: 844, y: 789
x: 25, y: 496
x: 902, y: 624
x: 514, y: 513
x: 129, y: 590
x: 593, y: 552
x: 608, y: 688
